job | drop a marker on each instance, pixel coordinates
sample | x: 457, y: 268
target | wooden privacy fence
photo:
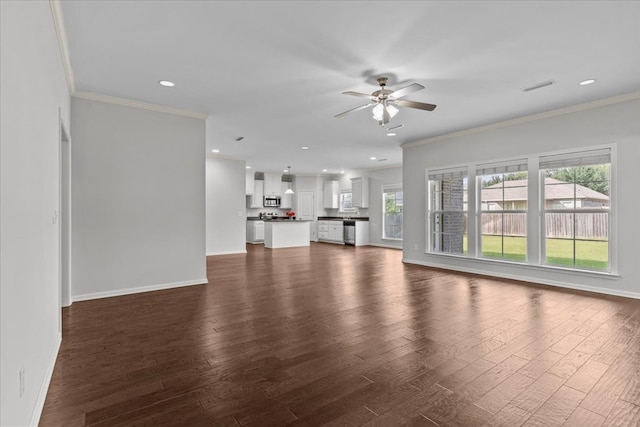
x: 592, y: 226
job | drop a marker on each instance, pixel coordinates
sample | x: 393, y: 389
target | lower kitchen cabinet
x: 255, y: 231
x: 331, y: 231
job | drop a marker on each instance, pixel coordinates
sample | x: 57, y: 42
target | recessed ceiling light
x: 248, y: 167
x: 391, y: 134
x: 341, y: 171
x: 304, y: 147
x: 285, y: 170
x: 166, y: 83
x: 215, y: 150
x: 324, y: 170
x: 372, y: 158
x: 587, y: 82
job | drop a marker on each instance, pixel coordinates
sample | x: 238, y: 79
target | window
x: 502, y: 196
x: 345, y: 202
x: 576, y: 209
x: 392, y: 212
x: 448, y: 211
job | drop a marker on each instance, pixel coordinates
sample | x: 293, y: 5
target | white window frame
x: 499, y: 168
x: 391, y: 188
x: 566, y: 158
x: 432, y: 175
x: 348, y: 210
x: 536, y: 231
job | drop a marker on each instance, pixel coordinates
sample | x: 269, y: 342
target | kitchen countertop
x: 320, y: 218
x: 342, y: 218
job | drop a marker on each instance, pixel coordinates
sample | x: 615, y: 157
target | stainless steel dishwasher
x: 349, y: 227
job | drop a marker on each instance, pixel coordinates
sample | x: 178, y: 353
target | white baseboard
x: 137, y: 290
x: 44, y: 386
x: 382, y: 245
x: 226, y: 253
x: 537, y: 280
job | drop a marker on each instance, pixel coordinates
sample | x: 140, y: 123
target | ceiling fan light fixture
x: 378, y: 111
x: 392, y: 110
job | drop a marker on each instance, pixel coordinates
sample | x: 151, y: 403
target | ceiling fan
x: 386, y: 102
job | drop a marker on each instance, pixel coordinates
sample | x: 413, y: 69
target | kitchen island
x: 286, y: 233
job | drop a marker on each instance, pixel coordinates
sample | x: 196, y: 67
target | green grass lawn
x: 589, y: 254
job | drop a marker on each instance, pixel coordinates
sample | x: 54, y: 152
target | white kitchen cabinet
x: 323, y: 230
x: 360, y: 192
x: 272, y: 184
x: 286, y: 201
x: 336, y: 231
x: 331, y: 194
x: 330, y: 231
x: 256, y: 199
x: 255, y: 231
x: 249, y: 183
x: 362, y: 233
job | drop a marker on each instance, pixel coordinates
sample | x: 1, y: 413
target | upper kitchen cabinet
x: 273, y: 184
x: 255, y: 200
x: 360, y: 192
x: 250, y: 185
x: 331, y: 194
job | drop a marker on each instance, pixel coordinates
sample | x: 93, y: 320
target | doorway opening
x: 65, y: 220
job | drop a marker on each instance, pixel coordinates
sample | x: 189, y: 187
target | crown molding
x: 531, y: 118
x: 379, y: 168
x: 138, y: 104
x: 63, y: 43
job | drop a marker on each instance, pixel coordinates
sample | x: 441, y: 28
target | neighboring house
x: 558, y: 195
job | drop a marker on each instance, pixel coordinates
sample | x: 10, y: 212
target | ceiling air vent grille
x: 539, y: 86
x: 259, y: 176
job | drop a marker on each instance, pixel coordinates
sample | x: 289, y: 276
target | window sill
x: 534, y: 267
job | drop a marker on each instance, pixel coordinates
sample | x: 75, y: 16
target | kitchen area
x: 326, y: 212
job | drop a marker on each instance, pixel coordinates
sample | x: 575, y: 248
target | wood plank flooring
x: 344, y: 336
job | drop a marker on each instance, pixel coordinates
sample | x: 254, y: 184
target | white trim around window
x: 393, y: 231
x: 536, y: 228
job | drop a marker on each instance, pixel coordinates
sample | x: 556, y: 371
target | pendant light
x: 289, y: 190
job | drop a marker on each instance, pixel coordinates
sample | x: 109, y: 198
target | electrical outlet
x: 22, y: 374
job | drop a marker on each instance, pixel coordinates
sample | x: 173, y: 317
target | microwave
x: 271, y: 201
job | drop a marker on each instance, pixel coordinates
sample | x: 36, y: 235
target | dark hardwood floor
x: 347, y: 336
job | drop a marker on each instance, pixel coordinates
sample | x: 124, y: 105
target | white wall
x: 617, y: 123
x: 138, y: 183
x: 226, y: 228
x: 377, y: 179
x: 33, y: 90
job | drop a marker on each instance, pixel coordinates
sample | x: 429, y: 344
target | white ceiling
x: 274, y: 71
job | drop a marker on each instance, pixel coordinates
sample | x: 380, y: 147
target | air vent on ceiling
x: 539, y: 86
x: 259, y: 176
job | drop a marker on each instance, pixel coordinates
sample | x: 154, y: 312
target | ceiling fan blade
x: 362, y: 107
x: 414, y: 104
x: 363, y: 95
x: 406, y: 90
